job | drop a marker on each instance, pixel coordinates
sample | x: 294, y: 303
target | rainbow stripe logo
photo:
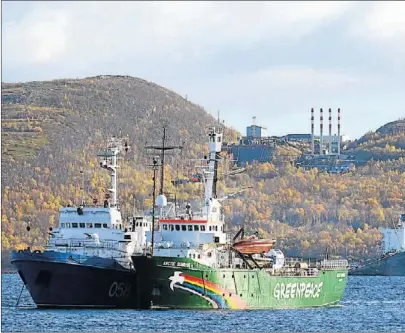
x: 219, y: 297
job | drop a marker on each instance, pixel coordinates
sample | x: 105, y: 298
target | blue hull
x: 393, y: 265
x: 64, y: 280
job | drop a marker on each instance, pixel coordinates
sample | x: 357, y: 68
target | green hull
x: 182, y: 283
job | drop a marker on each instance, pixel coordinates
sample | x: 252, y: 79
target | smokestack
x: 321, y: 135
x: 338, y: 151
x: 312, y: 132
x: 254, y: 126
x: 330, y: 131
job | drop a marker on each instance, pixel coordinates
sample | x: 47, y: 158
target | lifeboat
x: 253, y: 245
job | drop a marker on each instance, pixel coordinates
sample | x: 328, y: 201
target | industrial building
x: 325, y: 152
x: 255, y: 146
x: 319, y: 151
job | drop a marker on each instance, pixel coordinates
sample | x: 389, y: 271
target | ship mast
x: 163, y: 148
x: 214, y: 145
x: 110, y: 163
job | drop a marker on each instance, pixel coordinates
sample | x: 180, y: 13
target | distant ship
x: 193, y: 264
x: 392, y: 261
x: 87, y: 261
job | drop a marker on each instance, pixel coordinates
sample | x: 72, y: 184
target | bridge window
x: 89, y: 225
x: 171, y: 227
x: 202, y: 228
x: 216, y: 228
x: 74, y: 225
x: 97, y: 225
x: 63, y: 225
x: 105, y: 225
x: 177, y: 227
x: 67, y: 225
x: 164, y: 226
x: 219, y: 139
x: 210, y: 228
x: 190, y: 227
x: 183, y: 227
x: 196, y: 227
x: 82, y: 225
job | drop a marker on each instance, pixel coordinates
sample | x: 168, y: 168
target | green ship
x: 193, y: 264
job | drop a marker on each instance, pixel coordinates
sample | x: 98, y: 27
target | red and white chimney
x: 312, y: 132
x: 321, y: 135
x: 330, y: 132
x: 338, y: 151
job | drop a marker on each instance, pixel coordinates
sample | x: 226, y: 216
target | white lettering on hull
x: 176, y: 264
x: 297, y: 290
x: 119, y: 289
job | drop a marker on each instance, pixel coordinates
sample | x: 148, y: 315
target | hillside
x: 47, y: 124
x: 52, y: 130
x: 387, y: 142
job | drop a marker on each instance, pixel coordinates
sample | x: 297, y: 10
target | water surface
x: 374, y: 304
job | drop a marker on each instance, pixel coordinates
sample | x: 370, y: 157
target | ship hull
x: 393, y: 265
x: 181, y: 283
x: 58, y: 284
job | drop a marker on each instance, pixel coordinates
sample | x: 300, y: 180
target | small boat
x: 253, y: 245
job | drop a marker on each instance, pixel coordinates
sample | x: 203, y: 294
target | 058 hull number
x: 120, y: 289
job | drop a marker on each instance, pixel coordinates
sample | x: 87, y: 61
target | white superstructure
x: 394, y: 238
x: 100, y: 231
x: 197, y: 234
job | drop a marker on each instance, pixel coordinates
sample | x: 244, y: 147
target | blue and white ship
x: 87, y: 261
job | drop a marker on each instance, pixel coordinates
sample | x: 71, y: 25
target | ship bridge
x: 75, y: 222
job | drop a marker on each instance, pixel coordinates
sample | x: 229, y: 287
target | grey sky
x: 272, y: 60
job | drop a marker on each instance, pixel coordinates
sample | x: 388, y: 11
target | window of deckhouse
x: 202, y: 228
x: 196, y: 227
x: 183, y: 227
x: 164, y: 226
x: 177, y: 227
x: 190, y: 227
x: 82, y: 225
x: 74, y: 225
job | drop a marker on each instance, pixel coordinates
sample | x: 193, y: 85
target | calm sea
x: 369, y: 304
